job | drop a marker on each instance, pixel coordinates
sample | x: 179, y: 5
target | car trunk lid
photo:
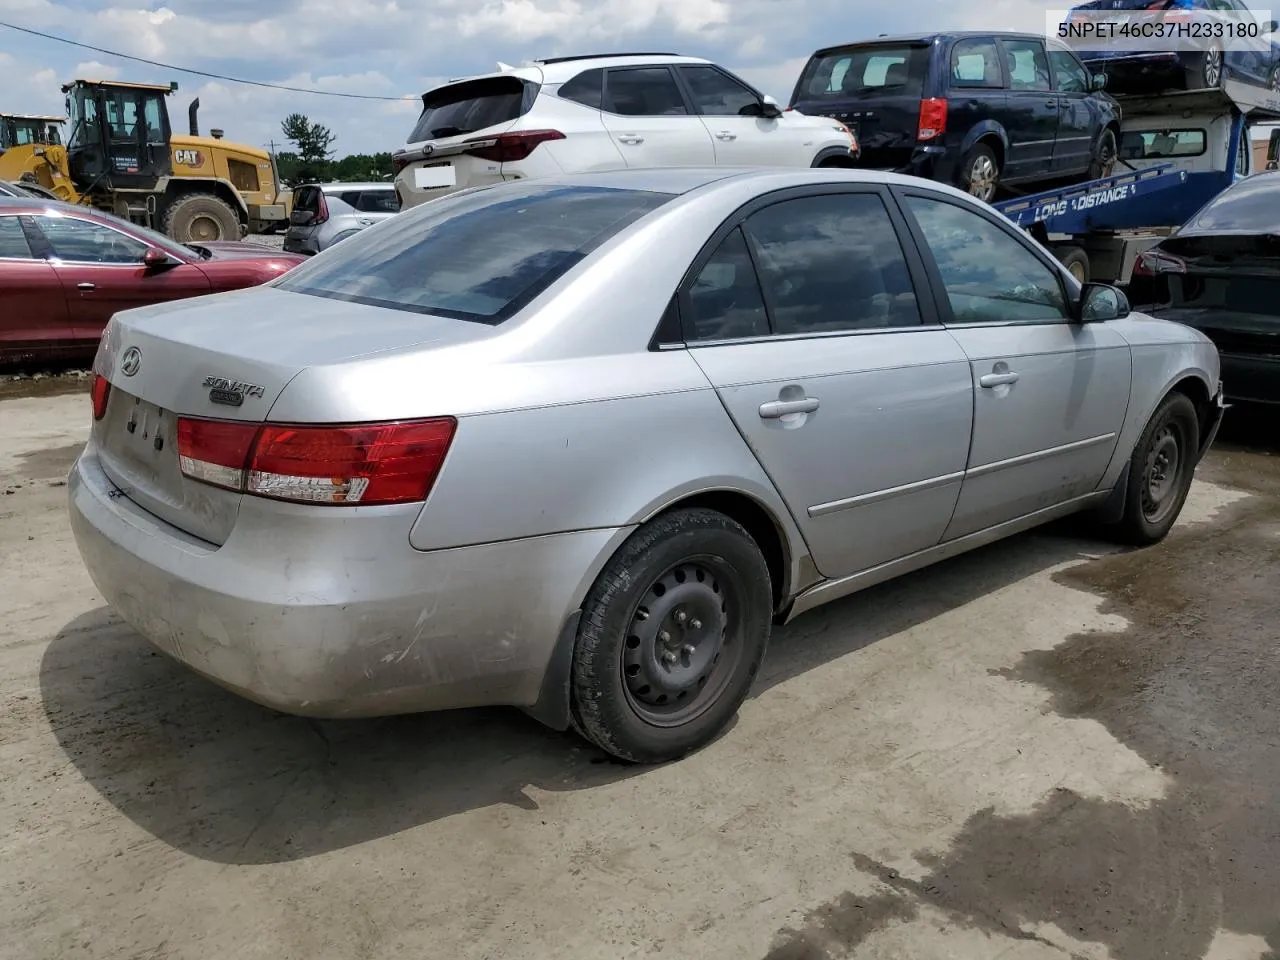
x: 875, y: 89
x: 199, y: 358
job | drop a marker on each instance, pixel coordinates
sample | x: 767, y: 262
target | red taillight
x: 933, y: 119
x: 100, y: 390
x: 509, y: 147
x: 1155, y: 262
x: 376, y: 463
x: 322, y: 212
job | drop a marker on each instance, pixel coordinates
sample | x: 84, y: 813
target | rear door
x: 875, y: 89
x: 1078, y: 126
x: 649, y: 120
x: 856, y: 403
x: 1031, y: 113
x: 101, y: 273
x: 730, y: 110
x: 976, y: 86
x: 1050, y: 394
x: 33, y: 308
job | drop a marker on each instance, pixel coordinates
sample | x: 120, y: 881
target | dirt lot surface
x: 1044, y: 749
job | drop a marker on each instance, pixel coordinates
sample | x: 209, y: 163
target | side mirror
x: 767, y: 108
x: 1099, y: 81
x: 154, y: 259
x: 1100, y: 302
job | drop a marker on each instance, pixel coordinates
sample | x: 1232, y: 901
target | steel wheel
x: 205, y: 228
x: 983, y: 177
x: 680, y: 651
x: 1162, y: 474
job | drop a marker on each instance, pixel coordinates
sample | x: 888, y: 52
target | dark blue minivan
x: 978, y: 110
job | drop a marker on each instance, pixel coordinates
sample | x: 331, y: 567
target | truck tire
x: 201, y: 217
x: 979, y: 174
x: 1104, y: 155
x: 1075, y: 260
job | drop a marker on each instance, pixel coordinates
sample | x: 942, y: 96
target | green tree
x: 314, y: 142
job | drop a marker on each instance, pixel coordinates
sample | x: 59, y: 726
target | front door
x: 740, y: 136
x: 1050, y: 394
x: 650, y: 123
x: 102, y: 273
x: 1074, y: 145
x: 1031, y: 111
x: 856, y: 403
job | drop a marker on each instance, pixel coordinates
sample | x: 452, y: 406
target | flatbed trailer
x: 1098, y: 228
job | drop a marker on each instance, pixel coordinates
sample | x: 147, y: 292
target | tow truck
x: 1178, y: 150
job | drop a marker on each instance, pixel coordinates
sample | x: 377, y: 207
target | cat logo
x: 189, y: 158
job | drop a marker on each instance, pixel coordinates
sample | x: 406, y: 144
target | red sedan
x: 64, y: 270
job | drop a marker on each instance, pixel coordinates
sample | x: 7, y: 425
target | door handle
x: 86, y: 286
x: 998, y: 379
x: 1051, y: 103
x: 781, y: 408
x: 630, y: 138
x: 726, y: 135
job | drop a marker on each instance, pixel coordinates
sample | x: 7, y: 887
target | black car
x: 974, y: 109
x: 1221, y: 274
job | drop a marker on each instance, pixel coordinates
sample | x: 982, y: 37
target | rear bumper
x: 331, y: 616
x: 304, y: 244
x: 1250, y: 379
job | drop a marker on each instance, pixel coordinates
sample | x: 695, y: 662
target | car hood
x: 245, y: 250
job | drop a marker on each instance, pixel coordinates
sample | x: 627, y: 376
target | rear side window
x: 867, y: 71
x: 644, y: 92
x: 724, y: 301
x: 372, y: 201
x: 716, y: 94
x: 470, y: 106
x: 479, y: 256
x: 586, y: 88
x: 832, y: 263
x: 13, y: 242
x: 976, y: 63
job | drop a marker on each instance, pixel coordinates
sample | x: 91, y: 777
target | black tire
x: 1075, y: 260
x: 1273, y: 80
x: 1105, y: 152
x: 690, y: 586
x: 1152, y: 505
x: 1207, y: 70
x: 201, y: 217
x: 979, y: 174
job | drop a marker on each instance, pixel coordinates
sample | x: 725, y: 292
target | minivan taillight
x: 933, y: 119
x: 99, y: 392
x: 340, y: 465
x: 509, y: 147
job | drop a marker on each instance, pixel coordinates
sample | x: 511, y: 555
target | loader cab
x: 19, y: 130
x: 119, y: 134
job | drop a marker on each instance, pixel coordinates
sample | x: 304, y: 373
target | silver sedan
x: 576, y: 444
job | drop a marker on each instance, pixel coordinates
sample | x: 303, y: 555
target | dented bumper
x: 320, y: 614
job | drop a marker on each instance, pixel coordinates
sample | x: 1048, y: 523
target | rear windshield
x: 474, y: 105
x: 478, y: 256
x: 866, y: 71
x: 1156, y: 144
x: 307, y: 199
x: 1251, y: 205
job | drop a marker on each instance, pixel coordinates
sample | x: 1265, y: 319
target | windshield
x: 877, y: 69
x: 474, y: 105
x: 1251, y: 205
x: 478, y: 256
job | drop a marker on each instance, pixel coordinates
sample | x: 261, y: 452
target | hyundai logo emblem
x: 131, y: 361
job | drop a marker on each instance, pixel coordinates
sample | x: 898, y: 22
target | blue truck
x: 1177, y: 151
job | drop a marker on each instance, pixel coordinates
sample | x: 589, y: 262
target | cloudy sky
x: 398, y: 48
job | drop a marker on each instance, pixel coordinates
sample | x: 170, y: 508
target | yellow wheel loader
x: 122, y: 156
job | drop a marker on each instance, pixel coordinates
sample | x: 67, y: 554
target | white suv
x: 575, y: 114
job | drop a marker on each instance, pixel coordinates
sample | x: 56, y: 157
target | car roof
x: 928, y: 38
x: 338, y: 186
x: 559, y: 69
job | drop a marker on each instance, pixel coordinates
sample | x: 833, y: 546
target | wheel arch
x: 834, y: 157
x: 175, y: 188
x: 992, y: 134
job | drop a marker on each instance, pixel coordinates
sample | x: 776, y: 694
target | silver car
x: 576, y: 444
x: 327, y: 213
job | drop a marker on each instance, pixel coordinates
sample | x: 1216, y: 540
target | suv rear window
x: 869, y: 70
x: 470, y: 106
x: 478, y: 256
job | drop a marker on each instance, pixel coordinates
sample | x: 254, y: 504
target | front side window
x: 724, y: 301
x: 151, y: 117
x: 644, y: 92
x: 84, y: 242
x: 988, y: 274
x: 1069, y: 74
x: 716, y: 94
x: 478, y: 256
x: 13, y: 242
x: 1028, y: 65
x: 976, y: 63
x: 832, y: 263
